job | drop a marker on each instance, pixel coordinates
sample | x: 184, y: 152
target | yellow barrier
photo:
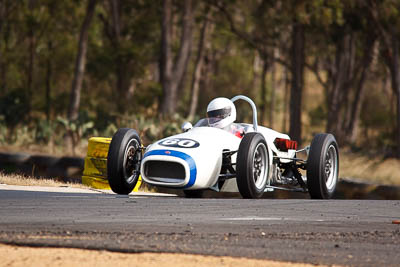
x: 98, y: 147
x: 95, y: 182
x: 100, y: 183
x: 95, y: 171
x: 95, y: 167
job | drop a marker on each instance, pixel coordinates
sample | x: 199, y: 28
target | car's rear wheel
x: 252, y: 166
x: 123, y: 161
x: 323, y: 166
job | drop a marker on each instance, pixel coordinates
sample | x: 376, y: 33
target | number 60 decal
x: 179, y: 142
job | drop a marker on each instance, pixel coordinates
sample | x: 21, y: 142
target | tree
x: 195, y: 87
x: 345, y: 59
x: 138, y: 56
x: 2, y: 19
x: 386, y: 18
x: 172, y: 71
x: 258, y: 38
x: 297, y: 70
x: 341, y: 73
x: 32, y: 45
x: 9, y: 13
x: 113, y: 28
x: 80, y: 63
x: 351, y: 121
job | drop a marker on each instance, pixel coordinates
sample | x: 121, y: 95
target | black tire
x: 193, y: 193
x: 323, y: 166
x: 249, y: 171
x: 67, y: 162
x: 123, y: 161
x: 43, y: 161
x: 15, y: 158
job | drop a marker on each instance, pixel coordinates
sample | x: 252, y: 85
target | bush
x: 14, y: 107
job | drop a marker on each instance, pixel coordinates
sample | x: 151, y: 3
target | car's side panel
x: 270, y: 136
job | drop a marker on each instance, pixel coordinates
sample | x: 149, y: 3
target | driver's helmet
x: 221, y: 112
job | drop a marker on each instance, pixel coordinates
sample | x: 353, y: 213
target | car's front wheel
x: 252, y: 166
x: 123, y: 161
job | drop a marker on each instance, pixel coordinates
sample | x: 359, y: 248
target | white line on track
x: 252, y: 219
x: 255, y: 218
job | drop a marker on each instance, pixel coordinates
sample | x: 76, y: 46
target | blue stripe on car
x: 181, y: 155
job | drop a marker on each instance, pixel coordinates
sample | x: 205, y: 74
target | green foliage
x: 149, y: 128
x: 3, y: 134
x: 377, y: 119
x: 52, y: 27
x: 44, y: 131
x: 80, y: 127
x: 317, y: 116
x: 13, y: 107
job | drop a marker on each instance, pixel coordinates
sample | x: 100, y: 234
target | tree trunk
x: 255, y: 81
x: 2, y: 61
x: 352, y: 125
x: 49, y: 69
x: 80, y: 63
x: 199, y: 65
x: 209, y: 64
x: 263, y: 106
x: 2, y: 73
x: 286, y: 111
x: 166, y: 53
x: 172, y: 72
x: 296, y: 90
x: 271, y: 114
x: 31, y: 61
x: 340, y: 82
x: 395, y: 78
x: 122, y: 67
x: 350, y: 81
x: 124, y: 88
x: 6, y: 9
x: 182, y: 82
x: 2, y: 14
x: 390, y: 40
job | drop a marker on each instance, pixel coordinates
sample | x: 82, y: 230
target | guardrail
x: 67, y: 169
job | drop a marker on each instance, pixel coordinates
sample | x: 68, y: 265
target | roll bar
x: 253, y: 106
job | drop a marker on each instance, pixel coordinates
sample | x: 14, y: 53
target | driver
x: 221, y: 113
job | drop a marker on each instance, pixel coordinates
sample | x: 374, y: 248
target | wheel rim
x: 331, y: 167
x: 131, y: 164
x: 259, y: 166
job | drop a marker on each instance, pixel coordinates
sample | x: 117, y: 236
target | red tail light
x: 285, y: 144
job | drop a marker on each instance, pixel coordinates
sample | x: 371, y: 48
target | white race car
x: 202, y: 157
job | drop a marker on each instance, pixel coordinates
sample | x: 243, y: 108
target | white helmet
x: 221, y: 112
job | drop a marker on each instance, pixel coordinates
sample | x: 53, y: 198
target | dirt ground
x: 27, y: 256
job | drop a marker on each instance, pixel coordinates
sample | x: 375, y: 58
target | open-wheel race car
x: 216, y: 149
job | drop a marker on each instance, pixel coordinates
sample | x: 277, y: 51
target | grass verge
x: 369, y: 169
x: 15, y: 179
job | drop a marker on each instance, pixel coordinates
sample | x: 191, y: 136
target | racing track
x: 346, y: 232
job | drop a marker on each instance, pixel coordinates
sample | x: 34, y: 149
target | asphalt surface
x: 345, y: 232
